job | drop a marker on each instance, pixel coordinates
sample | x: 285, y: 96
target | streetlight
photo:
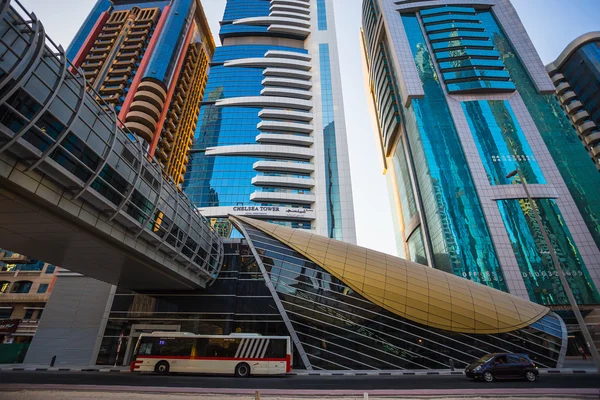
x: 561, y: 274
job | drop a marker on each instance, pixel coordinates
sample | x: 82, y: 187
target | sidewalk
x: 63, y: 368
x: 88, y: 392
x: 578, y: 363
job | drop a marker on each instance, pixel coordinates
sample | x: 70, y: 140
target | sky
x: 551, y: 24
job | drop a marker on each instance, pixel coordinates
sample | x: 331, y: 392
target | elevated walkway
x: 79, y: 191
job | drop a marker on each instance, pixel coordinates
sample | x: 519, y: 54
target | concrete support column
x: 73, y: 322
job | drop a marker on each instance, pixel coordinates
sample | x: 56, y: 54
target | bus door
x: 276, y: 353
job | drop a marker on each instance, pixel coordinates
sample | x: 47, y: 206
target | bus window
x: 174, y: 346
x: 222, y: 347
x: 145, y: 348
x: 277, y: 348
x: 201, y: 347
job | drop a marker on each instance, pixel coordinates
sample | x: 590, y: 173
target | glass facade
x: 238, y: 9
x: 238, y: 301
x: 334, y: 212
x: 571, y: 158
x: 460, y: 238
x: 416, y: 248
x: 164, y: 58
x: 340, y: 329
x: 337, y: 328
x: 582, y: 72
x: 443, y: 25
x: 501, y: 143
x: 405, y: 189
x: 212, y: 181
x: 322, y: 14
x: 533, y: 256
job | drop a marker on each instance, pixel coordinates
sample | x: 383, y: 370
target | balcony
x: 586, y: 127
x: 286, y: 139
x: 567, y: 97
x: 574, y: 107
x: 24, y: 297
x: 282, y: 197
x: 593, y: 139
x: 563, y: 87
x: 580, y: 116
x: 283, y: 181
x: 285, y: 126
x: 283, y: 166
x: 558, y: 78
x: 27, y: 327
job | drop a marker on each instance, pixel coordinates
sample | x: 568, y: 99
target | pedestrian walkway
x: 61, y: 368
x: 91, y: 392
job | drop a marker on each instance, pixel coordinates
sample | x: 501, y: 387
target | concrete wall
x: 74, y: 319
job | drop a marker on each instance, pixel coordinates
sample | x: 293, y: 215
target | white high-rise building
x: 271, y: 137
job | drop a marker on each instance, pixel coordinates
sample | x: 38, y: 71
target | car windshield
x: 485, y: 358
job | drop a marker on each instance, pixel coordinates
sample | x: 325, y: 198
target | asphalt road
x: 571, y: 381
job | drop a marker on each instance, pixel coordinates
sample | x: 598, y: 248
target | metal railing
x: 54, y: 123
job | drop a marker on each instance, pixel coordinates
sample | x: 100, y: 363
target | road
x: 571, y: 381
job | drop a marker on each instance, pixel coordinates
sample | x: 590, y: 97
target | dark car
x: 503, y: 366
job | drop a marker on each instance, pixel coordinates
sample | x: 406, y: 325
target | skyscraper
x: 149, y: 60
x: 462, y: 99
x: 576, y: 75
x: 271, y: 141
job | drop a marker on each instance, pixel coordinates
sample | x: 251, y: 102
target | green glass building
x: 462, y: 99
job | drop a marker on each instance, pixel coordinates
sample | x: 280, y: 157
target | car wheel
x: 530, y: 376
x: 242, y: 370
x: 162, y: 367
x: 488, y: 376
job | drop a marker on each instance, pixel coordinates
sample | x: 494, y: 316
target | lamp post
x: 563, y: 278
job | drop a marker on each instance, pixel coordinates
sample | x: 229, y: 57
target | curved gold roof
x: 410, y: 290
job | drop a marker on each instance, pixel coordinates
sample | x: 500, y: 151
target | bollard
x: 452, y: 364
x: 257, y: 396
x: 53, y: 361
x: 366, y: 397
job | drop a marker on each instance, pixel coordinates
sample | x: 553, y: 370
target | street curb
x: 425, y: 372
x: 55, y: 369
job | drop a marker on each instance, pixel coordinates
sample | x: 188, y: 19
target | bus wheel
x: 242, y: 370
x: 162, y: 367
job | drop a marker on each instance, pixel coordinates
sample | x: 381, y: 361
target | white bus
x: 240, y: 354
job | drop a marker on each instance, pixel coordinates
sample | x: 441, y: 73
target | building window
x: 533, y: 257
x: 5, y: 313
x: 43, y: 288
x: 4, y: 285
x: 21, y: 287
x: 50, y: 269
x: 322, y: 15
x: 334, y: 212
x: 29, y: 314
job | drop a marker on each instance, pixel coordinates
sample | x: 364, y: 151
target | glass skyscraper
x: 271, y: 139
x: 462, y: 99
x: 576, y: 75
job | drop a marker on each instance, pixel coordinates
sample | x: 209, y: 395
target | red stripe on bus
x: 216, y: 358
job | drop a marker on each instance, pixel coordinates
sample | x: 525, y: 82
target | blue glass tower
x: 270, y: 140
x: 576, y: 75
x: 462, y: 100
